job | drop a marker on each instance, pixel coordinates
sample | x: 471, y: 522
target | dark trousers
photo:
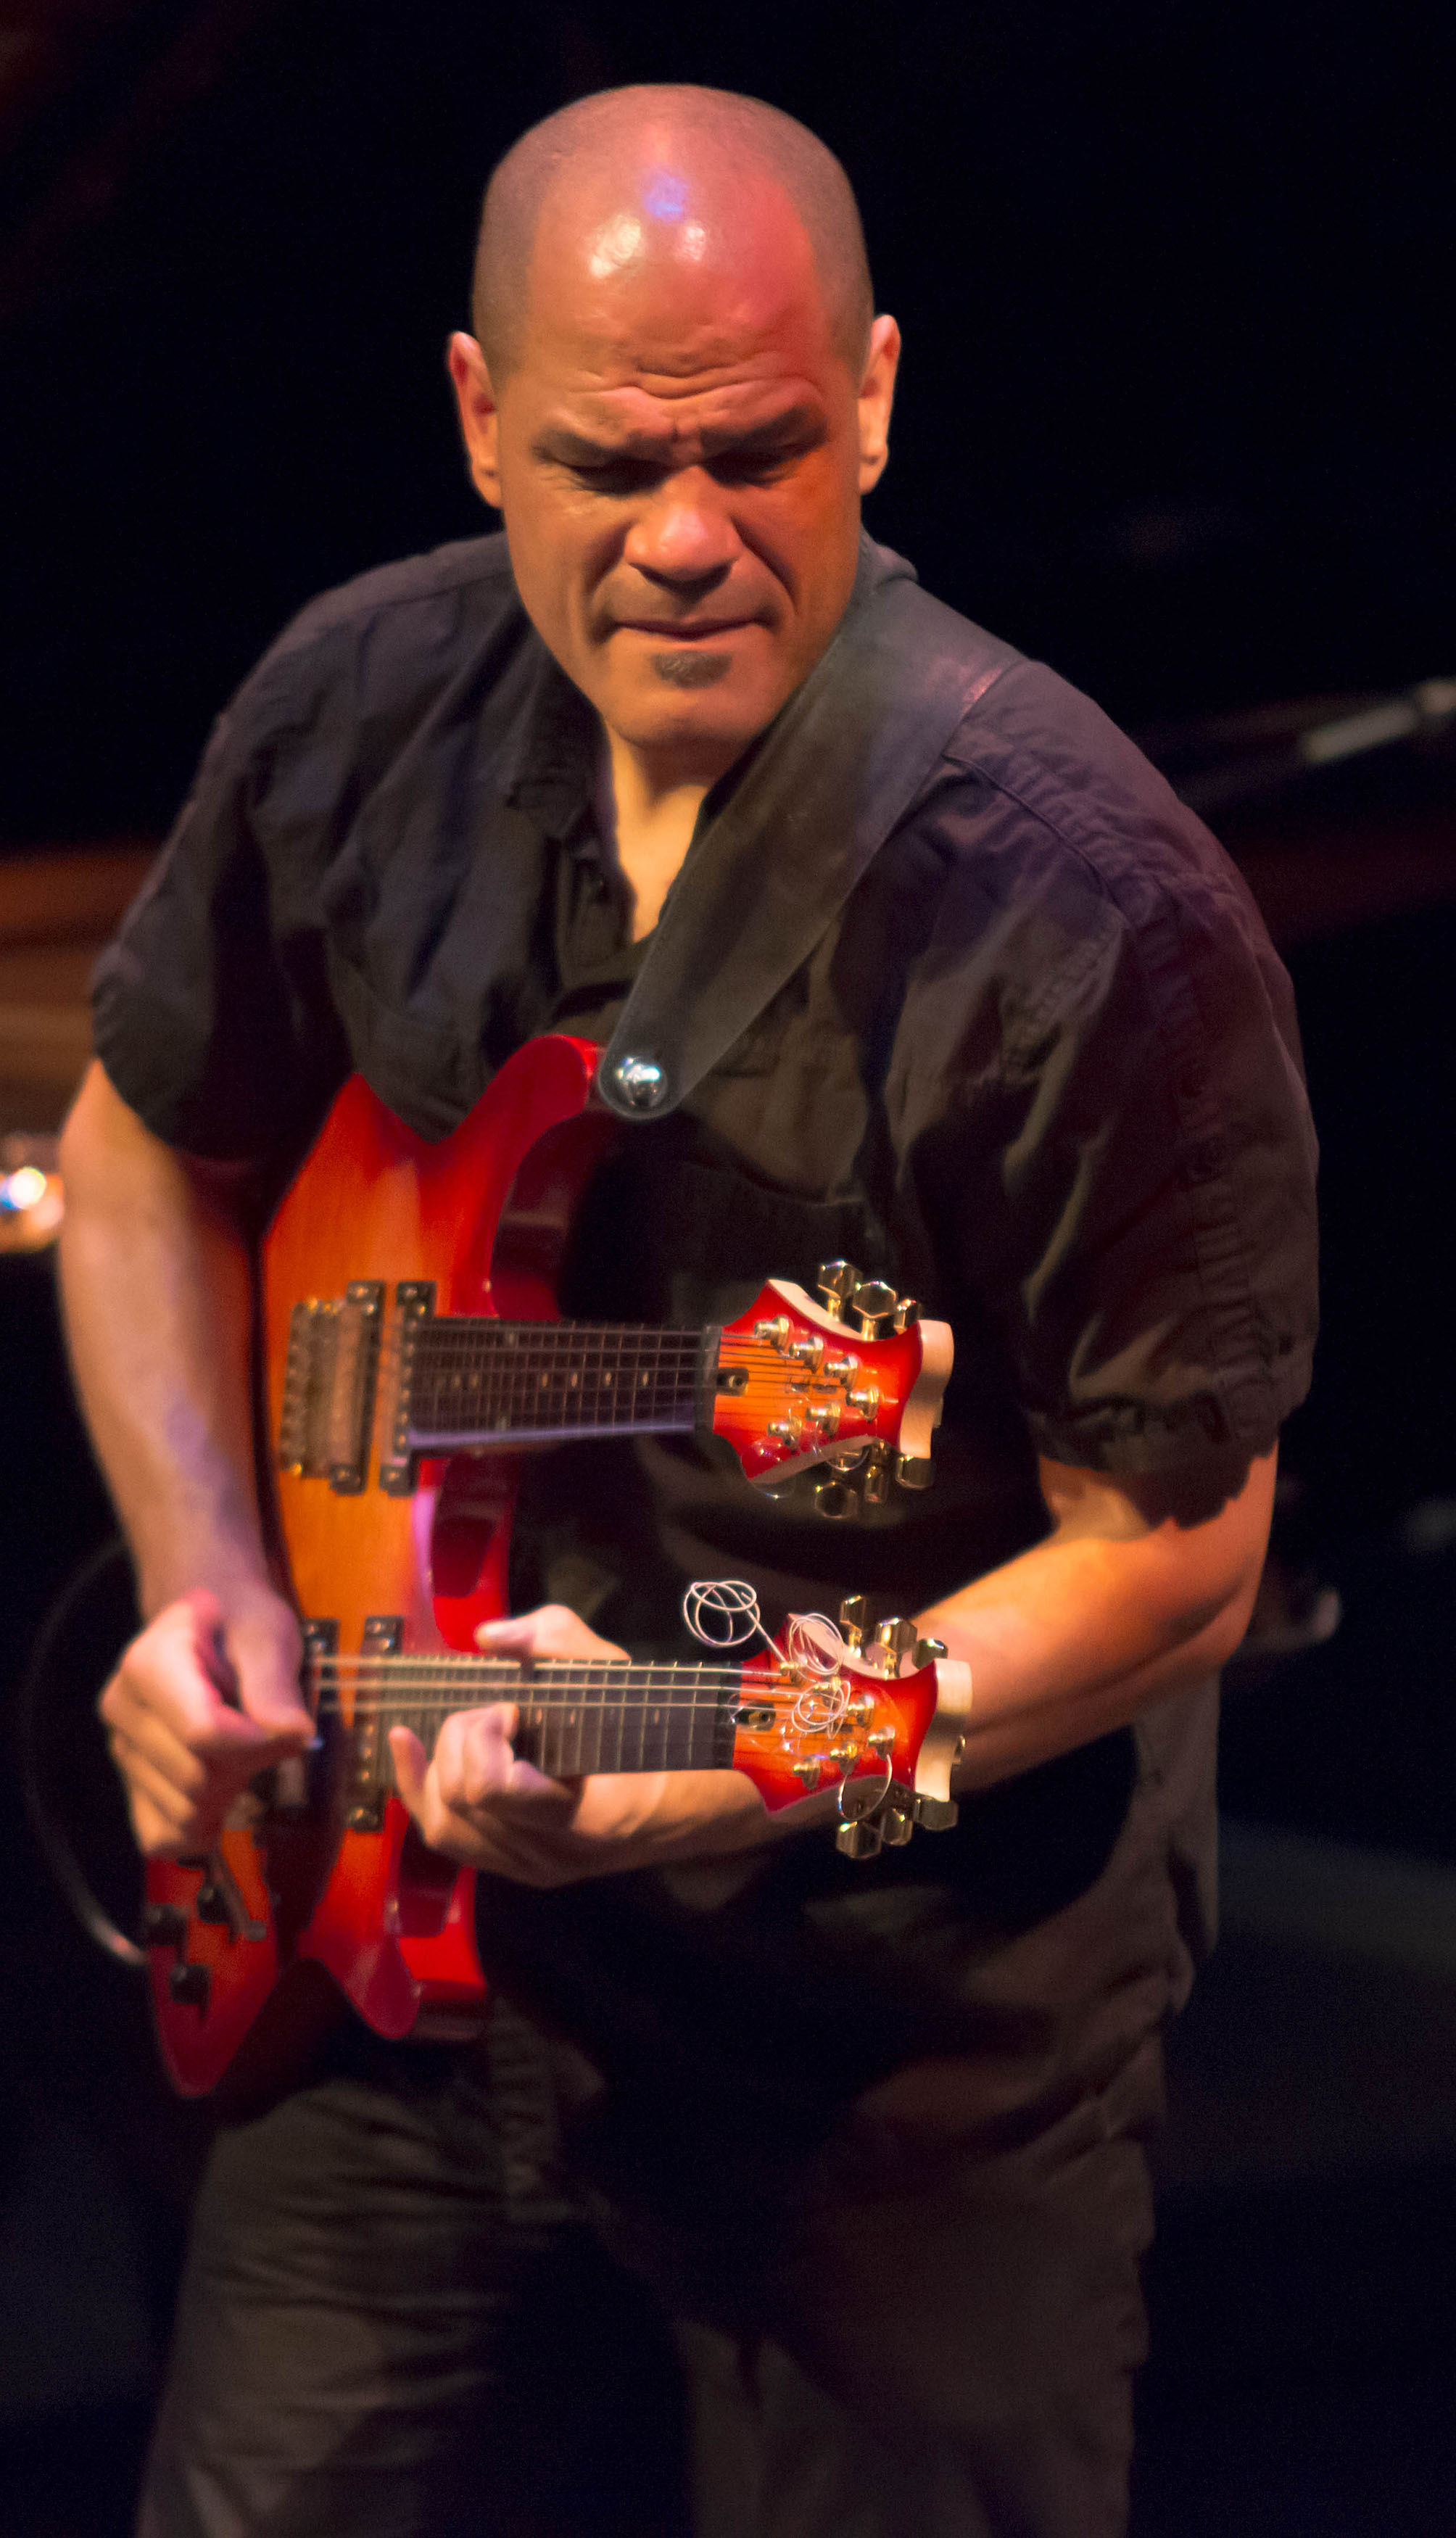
x: 436, y: 2297
x: 390, y: 2329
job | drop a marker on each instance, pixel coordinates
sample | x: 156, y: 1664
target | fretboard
x: 574, y: 1717
x: 470, y: 1380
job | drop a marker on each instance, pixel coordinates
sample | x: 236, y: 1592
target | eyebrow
x: 801, y: 425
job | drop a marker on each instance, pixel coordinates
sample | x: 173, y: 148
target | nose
x: 683, y: 539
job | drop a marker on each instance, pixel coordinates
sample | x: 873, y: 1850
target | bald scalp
x: 710, y: 133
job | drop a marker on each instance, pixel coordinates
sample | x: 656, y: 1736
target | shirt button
x: 641, y: 1083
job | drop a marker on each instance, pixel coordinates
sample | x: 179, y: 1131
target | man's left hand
x: 480, y: 1802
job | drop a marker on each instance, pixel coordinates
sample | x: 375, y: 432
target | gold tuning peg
x: 906, y: 1312
x: 835, y: 1498
x: 936, y: 1814
x: 914, y: 1471
x: 877, y: 1478
x: 871, y: 1307
x: 836, y: 1281
x: 897, y: 1637
x: 858, y: 1839
x: 927, y: 1651
x: 854, y: 1621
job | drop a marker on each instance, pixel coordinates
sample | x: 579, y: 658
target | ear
x: 876, y: 397
x: 479, y: 418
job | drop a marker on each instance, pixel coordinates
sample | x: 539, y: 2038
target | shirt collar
x: 548, y: 763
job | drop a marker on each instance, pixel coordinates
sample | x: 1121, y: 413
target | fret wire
x: 565, y: 1675
x: 552, y: 1669
x: 565, y: 1702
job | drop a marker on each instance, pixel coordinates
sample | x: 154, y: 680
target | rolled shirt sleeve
x: 211, y: 1011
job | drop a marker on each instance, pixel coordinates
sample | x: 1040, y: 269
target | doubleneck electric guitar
x: 412, y: 1348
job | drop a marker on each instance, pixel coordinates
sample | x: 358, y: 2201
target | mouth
x: 680, y: 632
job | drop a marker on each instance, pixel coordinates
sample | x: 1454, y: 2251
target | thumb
x: 261, y: 1652
x: 409, y: 1766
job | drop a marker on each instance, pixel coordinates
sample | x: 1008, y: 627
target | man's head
x: 676, y: 400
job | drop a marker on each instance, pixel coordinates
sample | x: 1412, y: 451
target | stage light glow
x: 23, y: 1188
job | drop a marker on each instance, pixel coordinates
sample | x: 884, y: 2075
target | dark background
x: 1176, y: 414
x: 1174, y: 283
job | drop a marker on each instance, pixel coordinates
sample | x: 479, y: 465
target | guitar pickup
x: 328, y: 1392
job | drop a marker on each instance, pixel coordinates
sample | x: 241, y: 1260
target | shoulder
x: 1052, y: 828
x: 468, y: 579
x: 1082, y: 790
x: 1033, y: 780
x: 389, y: 638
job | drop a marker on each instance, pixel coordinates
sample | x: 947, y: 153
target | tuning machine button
x: 871, y: 1308
x: 854, y: 1621
x: 914, y: 1471
x: 906, y: 1312
x: 926, y: 1652
x: 835, y: 1499
x: 936, y: 1814
x: 164, y: 1925
x: 859, y: 1838
x: 896, y: 1826
x: 836, y: 1281
x: 897, y: 1638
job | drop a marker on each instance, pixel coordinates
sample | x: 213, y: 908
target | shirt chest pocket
x: 685, y: 1237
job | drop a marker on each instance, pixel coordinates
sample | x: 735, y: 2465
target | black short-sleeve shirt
x: 1041, y: 1069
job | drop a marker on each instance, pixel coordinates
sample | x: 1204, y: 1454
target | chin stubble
x: 691, y: 669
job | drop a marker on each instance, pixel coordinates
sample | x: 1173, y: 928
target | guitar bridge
x: 328, y: 1389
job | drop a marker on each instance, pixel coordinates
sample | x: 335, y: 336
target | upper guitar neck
x: 470, y: 1381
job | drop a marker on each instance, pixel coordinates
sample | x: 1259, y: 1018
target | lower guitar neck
x: 574, y: 1717
x: 469, y: 1381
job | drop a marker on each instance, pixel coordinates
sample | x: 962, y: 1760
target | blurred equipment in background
x: 1224, y: 763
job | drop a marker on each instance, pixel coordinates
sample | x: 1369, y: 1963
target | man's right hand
x: 200, y: 1703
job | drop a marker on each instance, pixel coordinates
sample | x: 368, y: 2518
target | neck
x: 655, y: 798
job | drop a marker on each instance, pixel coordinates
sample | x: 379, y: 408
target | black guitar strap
x: 768, y: 871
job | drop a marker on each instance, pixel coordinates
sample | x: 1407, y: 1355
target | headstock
x: 878, y: 1715
x: 850, y: 1381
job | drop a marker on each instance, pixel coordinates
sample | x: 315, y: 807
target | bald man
x: 781, y: 2194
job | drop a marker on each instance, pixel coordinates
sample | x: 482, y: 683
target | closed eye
x: 618, y: 477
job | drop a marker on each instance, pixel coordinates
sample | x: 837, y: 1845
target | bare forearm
x: 1091, y: 1626
x: 999, y: 1746
x: 157, y: 1286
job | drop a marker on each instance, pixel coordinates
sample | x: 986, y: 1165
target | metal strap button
x: 641, y: 1082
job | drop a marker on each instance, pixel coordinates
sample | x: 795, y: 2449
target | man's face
x: 679, y: 455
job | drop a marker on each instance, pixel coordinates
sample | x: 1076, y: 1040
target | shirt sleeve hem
x: 1135, y: 1437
